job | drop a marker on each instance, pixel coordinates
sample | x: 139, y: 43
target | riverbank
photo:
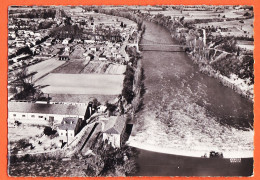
x: 237, y: 84
x: 187, y: 140
x: 189, y: 153
x: 243, y: 87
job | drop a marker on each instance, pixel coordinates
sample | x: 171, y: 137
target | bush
x: 49, y: 131
x: 111, y: 107
x: 23, y: 143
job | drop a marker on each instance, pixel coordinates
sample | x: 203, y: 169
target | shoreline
x: 187, y: 153
x: 225, y: 81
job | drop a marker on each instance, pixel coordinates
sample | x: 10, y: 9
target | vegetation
x: 49, y: 131
x: 105, y: 161
x: 109, y: 161
x: 111, y: 107
x: 127, y: 91
x: 39, y: 13
x: 67, y: 31
x: 24, y: 82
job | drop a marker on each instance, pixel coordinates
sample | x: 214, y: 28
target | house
x: 102, y: 58
x: 66, y: 41
x: 114, y: 130
x: 69, y: 128
x: 37, y: 35
x: 78, y: 40
x: 67, y: 49
x: 64, y: 56
x: 38, y: 113
x: 19, y: 42
x: 89, y: 41
x: 94, y: 49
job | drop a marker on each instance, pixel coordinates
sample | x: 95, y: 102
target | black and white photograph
x: 121, y: 91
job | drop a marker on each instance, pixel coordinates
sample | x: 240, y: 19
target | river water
x: 187, y: 109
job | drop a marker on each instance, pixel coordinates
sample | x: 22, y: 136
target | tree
x: 122, y: 24
x: 182, y: 18
x: 24, y: 82
x: 111, y: 107
x: 127, y: 91
x: 49, y: 131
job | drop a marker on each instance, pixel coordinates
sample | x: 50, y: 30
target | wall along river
x: 188, y: 111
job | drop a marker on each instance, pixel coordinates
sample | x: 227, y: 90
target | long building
x: 37, y: 113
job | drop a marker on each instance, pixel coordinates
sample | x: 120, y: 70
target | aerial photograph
x: 121, y: 91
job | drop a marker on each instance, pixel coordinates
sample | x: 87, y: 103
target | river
x: 186, y: 109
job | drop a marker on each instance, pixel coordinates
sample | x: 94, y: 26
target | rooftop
x: 115, y: 125
x: 68, y: 123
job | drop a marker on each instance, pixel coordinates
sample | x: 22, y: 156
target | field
x: 189, y: 15
x: 107, y: 19
x: 82, y: 98
x: 211, y: 14
x: 71, y: 67
x: 16, y: 133
x: 103, y: 68
x: 249, y: 45
x: 77, y: 54
x: 237, y: 27
x: 82, y: 84
x: 44, y: 67
x: 80, y: 66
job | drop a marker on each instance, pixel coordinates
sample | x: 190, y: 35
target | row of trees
x: 39, y: 13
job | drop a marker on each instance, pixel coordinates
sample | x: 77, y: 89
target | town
x: 67, y: 68
x: 79, y: 94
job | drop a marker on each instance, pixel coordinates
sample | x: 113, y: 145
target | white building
x: 114, y: 130
x: 69, y: 128
x: 36, y: 113
x: 66, y: 41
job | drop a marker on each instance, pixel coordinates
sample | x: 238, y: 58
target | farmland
x: 71, y: 67
x: 44, y: 67
x: 80, y: 66
x: 81, y: 98
x: 17, y: 133
x: 82, y: 84
x: 103, y: 68
x: 238, y: 28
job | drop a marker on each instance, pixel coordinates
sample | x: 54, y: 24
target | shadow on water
x: 158, y: 164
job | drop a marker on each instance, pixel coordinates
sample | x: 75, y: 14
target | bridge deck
x: 165, y: 45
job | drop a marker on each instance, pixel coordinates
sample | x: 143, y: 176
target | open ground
x: 82, y: 84
x: 44, y: 67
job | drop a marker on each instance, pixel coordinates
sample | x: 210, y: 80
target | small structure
x: 114, y: 130
x: 69, y: 128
